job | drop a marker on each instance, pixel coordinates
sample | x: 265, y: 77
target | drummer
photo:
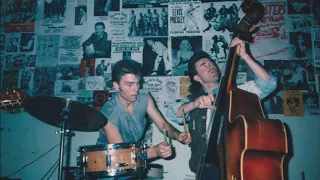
x: 126, y: 111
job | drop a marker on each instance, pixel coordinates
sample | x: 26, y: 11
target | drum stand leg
x: 63, y: 131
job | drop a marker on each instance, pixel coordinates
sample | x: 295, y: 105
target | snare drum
x: 111, y: 160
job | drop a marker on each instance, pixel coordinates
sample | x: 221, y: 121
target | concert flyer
x: 293, y: 103
x: 147, y: 21
x: 14, y: 61
x: 25, y: 80
x: 66, y: 87
x: 12, y: 44
x: 43, y: 81
x: 118, y: 24
x: 274, y: 104
x: 47, y: 48
x: 10, y: 79
x: 68, y: 72
x: 273, y: 35
x: 301, y: 22
x: 311, y: 101
x: 56, y: 17
x: 19, y: 15
x: 69, y: 49
x: 300, y: 46
x: 185, y: 18
x: 127, y: 49
x: 85, y: 97
x: 184, y: 86
x: 143, y: 3
x: 164, y: 90
x: 316, y: 46
x: 30, y: 61
x: 99, y: 98
x: 94, y: 83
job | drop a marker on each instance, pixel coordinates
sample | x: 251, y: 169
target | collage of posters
x: 68, y: 47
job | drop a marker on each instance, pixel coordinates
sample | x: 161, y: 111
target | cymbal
x: 80, y: 117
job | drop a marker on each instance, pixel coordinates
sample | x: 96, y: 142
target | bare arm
x: 160, y: 122
x: 112, y: 133
x: 162, y: 150
x: 201, y: 102
x: 259, y: 71
x: 187, y: 107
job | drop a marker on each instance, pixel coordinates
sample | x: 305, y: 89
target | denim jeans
x: 210, y: 172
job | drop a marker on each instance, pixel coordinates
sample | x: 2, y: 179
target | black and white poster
x: 185, y: 18
x: 69, y: 49
x: 54, y: 17
x: 43, y: 81
x: 148, y: 21
x: 47, y: 50
x: 127, y: 49
x: 156, y: 60
x: 182, y: 49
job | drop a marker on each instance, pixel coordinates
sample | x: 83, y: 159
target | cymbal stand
x: 63, y: 131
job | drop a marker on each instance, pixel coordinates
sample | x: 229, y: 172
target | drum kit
x: 93, y: 161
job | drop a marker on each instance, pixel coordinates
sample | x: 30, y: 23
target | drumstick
x: 184, y: 122
x: 165, y: 135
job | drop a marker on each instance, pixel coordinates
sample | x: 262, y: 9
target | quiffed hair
x: 124, y: 67
x: 195, y: 86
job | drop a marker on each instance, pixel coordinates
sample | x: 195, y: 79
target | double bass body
x: 255, y: 146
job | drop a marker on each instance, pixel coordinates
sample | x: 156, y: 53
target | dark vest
x: 197, y: 129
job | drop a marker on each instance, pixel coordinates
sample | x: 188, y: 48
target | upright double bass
x: 244, y: 144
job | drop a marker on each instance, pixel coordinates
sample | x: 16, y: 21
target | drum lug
x: 85, y: 161
x: 143, y: 156
x: 133, y: 157
x: 108, y: 160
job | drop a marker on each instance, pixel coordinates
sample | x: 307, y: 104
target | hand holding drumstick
x: 185, y: 136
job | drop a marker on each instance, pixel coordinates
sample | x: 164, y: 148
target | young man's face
x: 128, y: 87
x: 207, y: 71
x: 99, y: 30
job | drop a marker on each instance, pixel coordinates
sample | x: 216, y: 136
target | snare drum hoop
x: 102, y: 147
x: 122, y: 145
x: 92, y: 148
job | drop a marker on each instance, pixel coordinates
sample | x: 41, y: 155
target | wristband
x: 143, y: 155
